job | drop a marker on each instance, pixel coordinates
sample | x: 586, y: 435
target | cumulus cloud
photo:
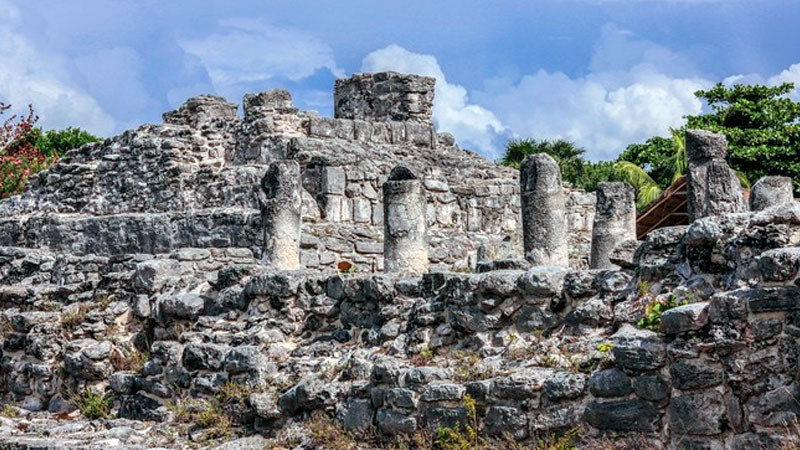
x: 635, y: 89
x: 33, y: 75
x: 789, y: 75
x: 471, y: 124
x: 245, y: 51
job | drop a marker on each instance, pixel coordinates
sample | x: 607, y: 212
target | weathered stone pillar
x: 614, y: 222
x: 281, y: 213
x: 712, y: 185
x: 405, y: 227
x: 771, y: 191
x: 544, y: 223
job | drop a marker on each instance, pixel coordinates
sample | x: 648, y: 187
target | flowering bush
x: 19, y: 157
x: 26, y: 150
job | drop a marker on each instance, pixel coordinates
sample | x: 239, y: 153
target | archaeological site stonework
x: 285, y: 280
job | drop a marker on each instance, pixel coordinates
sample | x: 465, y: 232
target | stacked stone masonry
x: 141, y: 268
x: 194, y: 182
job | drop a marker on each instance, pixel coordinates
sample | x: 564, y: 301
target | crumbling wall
x: 194, y: 182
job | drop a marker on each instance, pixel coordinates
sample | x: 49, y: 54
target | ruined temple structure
x: 193, y: 182
x: 270, y: 280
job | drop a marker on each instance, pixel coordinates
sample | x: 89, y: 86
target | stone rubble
x: 186, y: 280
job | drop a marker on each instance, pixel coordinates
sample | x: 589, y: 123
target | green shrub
x: 58, y: 142
x: 93, y: 405
x: 652, y: 314
x: 25, y: 150
x: 448, y: 438
x: 9, y: 411
x: 327, y: 433
x: 234, y: 393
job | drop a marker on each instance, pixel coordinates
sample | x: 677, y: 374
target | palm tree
x: 568, y: 155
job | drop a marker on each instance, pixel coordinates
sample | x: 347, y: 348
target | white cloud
x: 472, y: 125
x: 586, y: 110
x: 635, y: 89
x: 30, y: 75
x: 790, y: 75
x: 247, y: 51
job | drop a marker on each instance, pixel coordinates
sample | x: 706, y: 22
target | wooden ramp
x: 669, y: 209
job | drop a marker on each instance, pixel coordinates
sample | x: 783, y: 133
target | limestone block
x: 362, y: 210
x: 201, y: 110
x: 333, y: 208
x: 267, y: 103
x: 770, y: 191
x: 332, y: 180
x: 384, y: 96
x: 322, y: 127
x: 685, y: 318
x: 344, y: 129
x: 419, y: 134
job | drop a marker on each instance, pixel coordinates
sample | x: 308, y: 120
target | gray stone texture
x: 713, y: 186
x: 281, y: 215
x: 134, y: 267
x: 384, y: 96
x: 405, y: 236
x: 194, y: 182
x: 614, y: 222
x: 544, y: 230
x: 771, y: 191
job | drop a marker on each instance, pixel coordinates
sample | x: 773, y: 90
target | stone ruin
x: 234, y: 282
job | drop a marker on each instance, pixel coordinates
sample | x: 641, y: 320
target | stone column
x: 712, y: 185
x: 544, y: 223
x: 614, y: 222
x: 771, y: 191
x: 405, y: 227
x: 281, y: 205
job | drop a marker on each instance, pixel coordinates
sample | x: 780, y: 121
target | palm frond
x: 647, y: 190
x: 679, y: 145
x: 742, y: 179
x: 647, y: 195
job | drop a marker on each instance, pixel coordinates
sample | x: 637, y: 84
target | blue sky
x: 603, y: 73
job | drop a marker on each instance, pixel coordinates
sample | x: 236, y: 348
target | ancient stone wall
x: 194, y: 182
x: 540, y: 350
x: 384, y: 96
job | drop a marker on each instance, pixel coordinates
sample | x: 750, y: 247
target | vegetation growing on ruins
x: 93, y: 405
x: 654, y: 310
x: 761, y: 124
x: 575, y: 169
x: 26, y: 149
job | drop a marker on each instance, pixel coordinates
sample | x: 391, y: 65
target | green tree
x: 58, y: 142
x: 569, y: 157
x: 762, y: 125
